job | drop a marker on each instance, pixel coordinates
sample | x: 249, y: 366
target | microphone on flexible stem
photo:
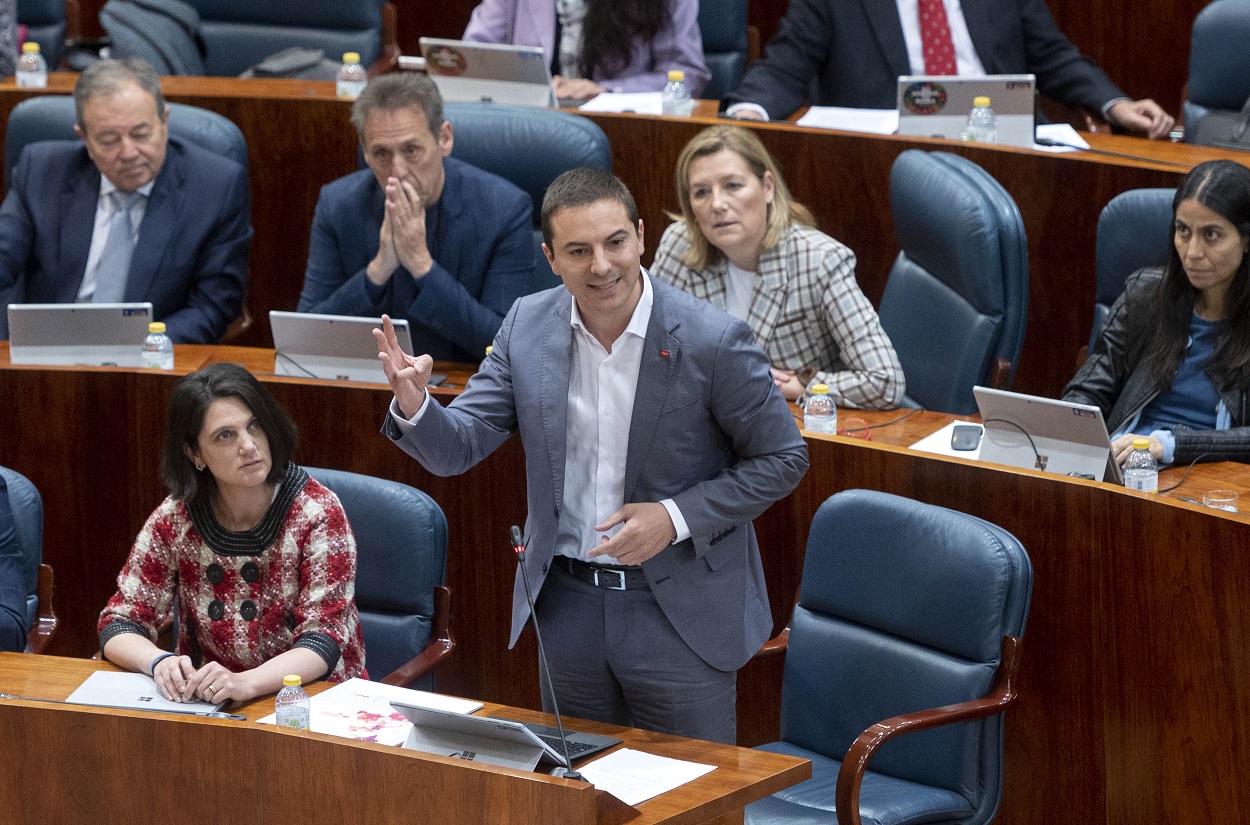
x: 518, y: 547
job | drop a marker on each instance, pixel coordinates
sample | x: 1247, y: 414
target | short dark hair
x: 106, y: 77
x: 192, y: 396
x: 399, y: 90
x: 582, y: 187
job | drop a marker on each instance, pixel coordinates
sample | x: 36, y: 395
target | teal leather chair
x: 401, y: 565
x: 900, y: 658
x: 26, y: 506
x: 1219, y: 62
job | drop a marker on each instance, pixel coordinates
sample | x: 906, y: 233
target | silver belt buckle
x: 620, y: 579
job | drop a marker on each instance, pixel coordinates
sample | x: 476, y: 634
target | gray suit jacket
x: 709, y: 430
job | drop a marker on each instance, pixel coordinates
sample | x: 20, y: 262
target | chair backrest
x: 530, y: 147
x: 1219, y: 61
x: 52, y: 117
x: 903, y: 607
x: 1134, y: 231
x: 723, y: 26
x: 401, y: 555
x: 957, y: 296
x: 27, y: 509
x: 45, y: 24
x: 239, y: 34
x: 165, y: 33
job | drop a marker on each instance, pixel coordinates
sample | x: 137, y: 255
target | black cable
x: 1051, y: 142
x: 1036, y: 455
x: 1190, y: 469
x: 288, y: 359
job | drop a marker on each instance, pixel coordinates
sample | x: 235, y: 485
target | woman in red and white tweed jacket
x: 258, y: 555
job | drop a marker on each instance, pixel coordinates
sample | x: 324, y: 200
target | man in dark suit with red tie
x: 851, y: 53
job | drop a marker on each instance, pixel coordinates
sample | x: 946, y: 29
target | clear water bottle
x: 675, y: 99
x: 352, y: 78
x: 158, y: 350
x: 982, y: 125
x: 32, y: 71
x: 820, y: 414
x: 1141, y: 472
x: 292, y: 707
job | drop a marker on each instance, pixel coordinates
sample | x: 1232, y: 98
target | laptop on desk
x: 337, y: 347
x: 938, y: 105
x: 93, y: 335
x: 488, y: 72
x: 494, y: 741
x: 1045, y: 434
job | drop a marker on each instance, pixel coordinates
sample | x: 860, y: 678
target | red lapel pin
x: 663, y: 353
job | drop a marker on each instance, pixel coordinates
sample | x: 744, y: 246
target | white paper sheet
x: 633, y: 776
x: 874, y: 121
x: 1061, y: 133
x: 644, y: 103
x: 360, y: 709
x: 940, y: 443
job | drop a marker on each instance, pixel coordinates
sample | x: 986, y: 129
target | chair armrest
x: 45, y: 624
x: 776, y: 646
x: 440, y: 647
x: 389, y: 52
x: 1000, y: 374
x: 855, y: 763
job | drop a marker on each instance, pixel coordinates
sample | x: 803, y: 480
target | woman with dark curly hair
x: 601, y: 45
x: 1173, y: 362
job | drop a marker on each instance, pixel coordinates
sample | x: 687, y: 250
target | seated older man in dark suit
x: 419, y: 235
x: 128, y: 213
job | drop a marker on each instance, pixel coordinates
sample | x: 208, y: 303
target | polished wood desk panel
x: 70, y: 763
x: 300, y: 138
x: 1136, y: 676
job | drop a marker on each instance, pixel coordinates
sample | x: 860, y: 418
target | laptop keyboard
x: 574, y: 747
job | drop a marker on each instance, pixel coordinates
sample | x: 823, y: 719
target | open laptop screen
x: 938, y: 106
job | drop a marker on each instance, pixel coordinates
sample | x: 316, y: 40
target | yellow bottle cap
x: 351, y: 57
x: 292, y: 681
x: 676, y: 74
x: 1141, y: 443
x: 820, y: 389
x: 157, y: 326
x: 981, y: 100
x: 30, y: 47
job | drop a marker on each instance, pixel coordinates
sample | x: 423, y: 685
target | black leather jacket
x: 1122, y: 389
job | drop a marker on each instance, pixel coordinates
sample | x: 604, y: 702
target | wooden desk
x: 70, y: 763
x: 299, y: 139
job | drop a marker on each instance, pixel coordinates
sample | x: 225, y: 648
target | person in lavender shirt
x: 601, y: 45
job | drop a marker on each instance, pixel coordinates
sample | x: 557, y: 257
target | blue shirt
x: 1192, y: 400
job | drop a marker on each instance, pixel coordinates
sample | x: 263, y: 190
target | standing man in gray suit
x: 653, y: 435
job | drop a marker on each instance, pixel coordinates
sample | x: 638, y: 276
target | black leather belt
x: 613, y: 578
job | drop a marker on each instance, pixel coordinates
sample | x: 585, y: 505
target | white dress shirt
x: 104, y: 210
x: 602, y: 387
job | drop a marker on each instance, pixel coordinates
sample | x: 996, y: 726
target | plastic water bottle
x: 352, y: 77
x: 982, y: 125
x: 158, y: 350
x: 820, y: 414
x: 292, y: 707
x: 32, y: 71
x: 1142, y: 471
x: 675, y: 99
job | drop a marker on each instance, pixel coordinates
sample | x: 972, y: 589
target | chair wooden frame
x: 42, y: 631
x: 855, y: 763
x: 439, y: 647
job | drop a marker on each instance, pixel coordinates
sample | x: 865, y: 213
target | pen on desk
x: 1187, y: 498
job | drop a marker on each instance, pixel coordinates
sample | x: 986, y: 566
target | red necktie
x: 935, y: 35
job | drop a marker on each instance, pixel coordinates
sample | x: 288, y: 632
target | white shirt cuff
x: 679, y: 521
x: 405, y: 425
x: 747, y: 107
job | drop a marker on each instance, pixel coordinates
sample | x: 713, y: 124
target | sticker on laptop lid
x: 446, y: 61
x: 925, y: 98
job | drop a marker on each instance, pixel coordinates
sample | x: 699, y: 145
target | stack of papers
x: 633, y: 776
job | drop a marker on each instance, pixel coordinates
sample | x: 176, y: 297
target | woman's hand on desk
x: 575, y: 88
x: 179, y: 681
x: 1123, y: 446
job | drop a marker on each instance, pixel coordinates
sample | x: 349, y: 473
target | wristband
x: 157, y: 661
